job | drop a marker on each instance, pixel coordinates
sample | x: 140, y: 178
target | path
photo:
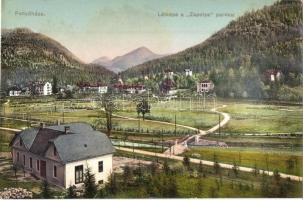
x: 179, y: 148
x: 206, y: 162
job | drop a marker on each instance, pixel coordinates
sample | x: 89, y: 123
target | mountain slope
x: 269, y: 38
x: 28, y: 56
x: 133, y: 58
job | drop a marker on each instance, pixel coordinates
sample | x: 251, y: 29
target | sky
x: 94, y: 28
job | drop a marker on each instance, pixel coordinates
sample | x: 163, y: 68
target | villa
x: 61, y: 154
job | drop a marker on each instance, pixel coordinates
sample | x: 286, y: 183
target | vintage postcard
x: 151, y: 99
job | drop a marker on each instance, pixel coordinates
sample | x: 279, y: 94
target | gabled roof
x: 28, y: 136
x: 42, y: 139
x: 80, y: 143
x: 73, y: 147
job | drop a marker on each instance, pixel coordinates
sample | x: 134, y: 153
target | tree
x: 112, y: 186
x: 127, y: 175
x: 290, y: 164
x: 46, y: 193
x: 90, y: 188
x: 186, y: 162
x: 143, y: 107
x: 71, y: 193
x: 256, y: 170
x: 55, y: 85
x: 153, y: 168
x: 107, y: 102
x: 235, y: 169
x: 200, y: 167
x: 217, y: 168
x: 166, y: 168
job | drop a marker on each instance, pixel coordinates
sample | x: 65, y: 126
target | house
x: 205, y: 86
x: 14, y: 91
x: 40, y: 88
x: 129, y: 89
x: 168, y: 73
x: 188, y: 72
x: 93, y: 87
x: 47, y: 88
x: 273, y: 75
x: 61, y: 154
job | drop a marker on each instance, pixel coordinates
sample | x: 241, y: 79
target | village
x: 151, y: 99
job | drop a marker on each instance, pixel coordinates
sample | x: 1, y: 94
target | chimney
x: 66, y: 129
x: 42, y: 125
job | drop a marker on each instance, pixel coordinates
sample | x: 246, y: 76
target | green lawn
x: 263, y: 118
x: 249, y: 157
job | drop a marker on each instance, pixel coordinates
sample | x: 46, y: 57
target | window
x: 55, y: 171
x: 55, y: 151
x: 30, y: 162
x: 79, y: 174
x: 38, y: 165
x: 18, y: 156
x: 100, y: 164
x: 100, y: 182
x: 24, y: 160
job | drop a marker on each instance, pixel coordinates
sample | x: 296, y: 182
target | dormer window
x: 55, y: 151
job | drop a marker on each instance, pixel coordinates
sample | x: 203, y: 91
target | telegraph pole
x: 219, y: 124
x: 203, y: 99
x: 63, y: 114
x: 175, y: 124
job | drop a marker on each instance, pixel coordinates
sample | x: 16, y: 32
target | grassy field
x: 283, y: 161
x: 197, y: 119
x: 263, y: 118
x: 292, y: 144
x: 191, y: 185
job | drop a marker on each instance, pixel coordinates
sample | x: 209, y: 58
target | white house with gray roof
x: 61, y: 154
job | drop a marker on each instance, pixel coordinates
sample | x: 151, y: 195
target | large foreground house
x: 61, y: 154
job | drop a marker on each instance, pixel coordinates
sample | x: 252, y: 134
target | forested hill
x: 29, y: 56
x: 269, y: 38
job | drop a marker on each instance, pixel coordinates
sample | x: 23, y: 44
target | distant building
x: 168, y: 73
x: 188, y: 72
x: 129, y: 89
x: 205, y: 86
x: 61, y: 154
x: 47, y: 88
x: 40, y: 88
x: 14, y: 91
x: 273, y: 75
x: 93, y: 87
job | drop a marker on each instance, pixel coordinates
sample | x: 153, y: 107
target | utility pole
x: 162, y: 140
x: 219, y: 124
x: 175, y: 124
x: 180, y: 103
x: 203, y: 99
x: 122, y: 102
x: 139, y: 128
x: 63, y: 114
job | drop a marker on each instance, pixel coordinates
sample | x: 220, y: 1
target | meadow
x: 263, y: 118
x: 283, y: 161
